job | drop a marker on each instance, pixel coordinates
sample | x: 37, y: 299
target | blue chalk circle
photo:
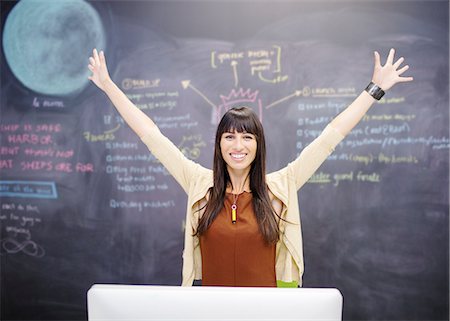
x: 47, y: 44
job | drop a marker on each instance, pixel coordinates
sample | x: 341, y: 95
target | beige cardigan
x: 284, y: 184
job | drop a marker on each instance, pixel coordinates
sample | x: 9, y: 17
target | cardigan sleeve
x: 178, y: 165
x: 313, y: 155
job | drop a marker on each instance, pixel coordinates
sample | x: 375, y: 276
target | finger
x: 91, y: 67
x: 102, y: 57
x: 390, y: 58
x: 399, y: 62
x: 402, y: 70
x: 97, y: 59
x: 405, y: 79
x: 92, y: 61
x: 377, y: 59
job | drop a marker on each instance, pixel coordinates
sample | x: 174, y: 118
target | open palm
x: 388, y: 75
x: 97, y: 64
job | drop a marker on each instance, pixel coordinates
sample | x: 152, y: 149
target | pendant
x: 233, y: 213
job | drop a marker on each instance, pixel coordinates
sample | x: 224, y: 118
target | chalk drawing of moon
x: 47, y: 44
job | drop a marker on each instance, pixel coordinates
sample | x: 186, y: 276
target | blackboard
x: 84, y: 202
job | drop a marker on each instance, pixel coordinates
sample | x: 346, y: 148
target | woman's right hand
x: 97, y: 64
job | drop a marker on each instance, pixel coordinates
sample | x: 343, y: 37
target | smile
x: 238, y: 156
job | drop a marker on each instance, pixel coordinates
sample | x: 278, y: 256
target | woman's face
x: 238, y: 149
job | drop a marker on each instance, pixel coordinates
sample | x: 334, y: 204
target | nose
x: 238, y: 144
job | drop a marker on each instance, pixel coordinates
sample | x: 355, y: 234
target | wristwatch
x: 375, y: 91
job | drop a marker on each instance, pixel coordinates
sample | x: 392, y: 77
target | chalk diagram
x: 264, y: 64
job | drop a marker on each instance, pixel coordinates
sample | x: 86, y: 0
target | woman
x: 242, y: 226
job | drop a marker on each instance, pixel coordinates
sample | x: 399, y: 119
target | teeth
x: 238, y: 156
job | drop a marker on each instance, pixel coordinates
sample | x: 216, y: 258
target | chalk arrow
x: 296, y: 93
x: 187, y: 84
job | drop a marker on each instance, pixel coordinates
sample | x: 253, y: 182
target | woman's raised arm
x: 313, y: 155
x: 179, y: 166
x: 384, y: 77
x: 139, y: 122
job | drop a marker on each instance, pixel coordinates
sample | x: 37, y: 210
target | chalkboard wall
x: 84, y: 202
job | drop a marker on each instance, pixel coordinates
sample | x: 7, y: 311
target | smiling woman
x: 243, y: 226
x: 240, y: 165
x: 239, y: 144
x: 238, y: 149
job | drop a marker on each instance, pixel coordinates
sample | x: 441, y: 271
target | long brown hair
x: 242, y: 119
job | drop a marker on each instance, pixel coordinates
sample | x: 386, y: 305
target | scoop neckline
x: 230, y: 193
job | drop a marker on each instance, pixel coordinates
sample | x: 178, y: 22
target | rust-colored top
x: 236, y: 254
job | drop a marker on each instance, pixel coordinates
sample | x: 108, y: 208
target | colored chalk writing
x: 28, y: 189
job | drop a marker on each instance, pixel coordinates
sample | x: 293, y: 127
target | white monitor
x: 175, y: 303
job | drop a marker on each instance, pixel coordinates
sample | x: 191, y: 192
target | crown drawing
x: 239, y: 96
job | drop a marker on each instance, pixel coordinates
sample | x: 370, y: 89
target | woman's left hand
x: 388, y: 75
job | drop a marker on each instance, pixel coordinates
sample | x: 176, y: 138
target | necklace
x: 234, y: 205
x: 234, y: 208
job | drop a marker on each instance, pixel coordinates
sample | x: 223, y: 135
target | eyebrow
x: 233, y: 130
x: 244, y: 132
